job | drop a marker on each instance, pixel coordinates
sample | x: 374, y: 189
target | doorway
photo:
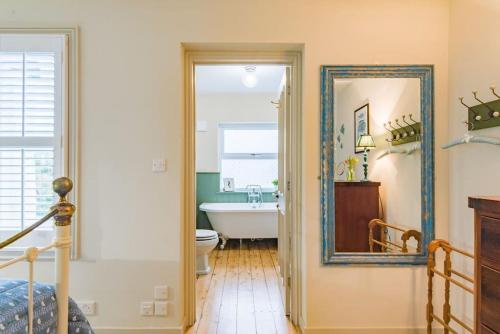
x: 249, y: 160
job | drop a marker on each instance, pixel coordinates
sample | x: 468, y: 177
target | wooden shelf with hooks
x: 409, y: 138
x: 484, y: 112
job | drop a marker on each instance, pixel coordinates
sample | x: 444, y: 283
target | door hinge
x: 288, y: 185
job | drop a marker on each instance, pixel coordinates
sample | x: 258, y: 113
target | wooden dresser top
x: 358, y: 184
x: 485, y: 203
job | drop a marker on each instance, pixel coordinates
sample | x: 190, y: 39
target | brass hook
x: 484, y: 103
x: 398, y: 136
x: 390, y: 132
x: 413, y: 131
x: 469, y: 124
x: 496, y: 113
x: 414, y: 122
x: 461, y: 98
x: 492, y: 88
x: 476, y: 116
x: 405, y: 133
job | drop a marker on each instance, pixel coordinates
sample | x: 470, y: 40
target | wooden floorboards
x: 242, y: 293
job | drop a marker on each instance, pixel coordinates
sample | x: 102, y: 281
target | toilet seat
x: 204, y: 235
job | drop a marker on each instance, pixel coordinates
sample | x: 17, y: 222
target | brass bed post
x: 447, y: 271
x: 387, y: 245
x: 371, y: 224
x: 447, y: 275
x: 431, y: 264
x: 62, y: 186
x: 62, y: 213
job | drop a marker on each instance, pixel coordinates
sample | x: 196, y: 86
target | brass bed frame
x: 62, y: 213
x: 447, y: 274
x: 387, y: 245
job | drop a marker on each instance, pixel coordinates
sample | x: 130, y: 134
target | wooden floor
x: 242, y: 293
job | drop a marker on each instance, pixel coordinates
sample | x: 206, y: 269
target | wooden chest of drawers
x: 356, y: 203
x: 487, y: 263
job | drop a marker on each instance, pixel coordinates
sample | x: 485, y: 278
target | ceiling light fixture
x: 249, y: 79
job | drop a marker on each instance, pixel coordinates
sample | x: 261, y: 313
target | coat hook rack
x: 403, y: 132
x: 485, y: 114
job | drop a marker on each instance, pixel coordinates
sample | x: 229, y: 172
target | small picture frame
x: 228, y: 184
x: 361, y: 125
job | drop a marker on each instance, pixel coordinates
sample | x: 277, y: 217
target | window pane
x: 31, y: 98
x: 27, y: 94
x: 250, y: 141
x: 250, y: 171
x: 11, y: 94
x: 39, y: 95
x: 25, y: 186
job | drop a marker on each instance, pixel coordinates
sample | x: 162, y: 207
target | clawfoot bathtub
x: 243, y: 220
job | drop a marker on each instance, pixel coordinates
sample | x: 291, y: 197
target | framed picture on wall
x: 361, y: 124
x: 228, y: 184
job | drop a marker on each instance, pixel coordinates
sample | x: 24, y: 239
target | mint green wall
x: 208, y: 191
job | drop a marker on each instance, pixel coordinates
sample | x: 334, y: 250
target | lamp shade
x: 365, y: 141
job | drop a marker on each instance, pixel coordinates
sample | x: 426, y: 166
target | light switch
x: 161, y: 292
x: 159, y: 165
x: 161, y: 309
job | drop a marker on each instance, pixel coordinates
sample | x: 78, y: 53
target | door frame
x: 195, y: 54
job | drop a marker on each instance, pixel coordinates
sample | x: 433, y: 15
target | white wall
x: 399, y: 174
x: 131, y: 112
x: 474, y: 169
x: 216, y: 108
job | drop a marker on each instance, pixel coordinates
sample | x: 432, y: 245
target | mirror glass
x: 377, y: 165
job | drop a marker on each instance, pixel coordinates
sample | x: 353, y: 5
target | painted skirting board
x: 317, y: 330
x: 129, y: 330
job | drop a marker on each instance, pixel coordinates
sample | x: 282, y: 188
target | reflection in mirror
x: 377, y: 160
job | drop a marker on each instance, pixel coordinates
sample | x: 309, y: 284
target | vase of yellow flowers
x: 351, y: 163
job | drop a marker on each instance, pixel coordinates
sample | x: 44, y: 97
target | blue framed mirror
x: 377, y: 164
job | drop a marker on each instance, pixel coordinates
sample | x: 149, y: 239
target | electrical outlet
x: 87, y: 307
x: 161, y: 292
x: 147, y: 309
x: 161, y: 309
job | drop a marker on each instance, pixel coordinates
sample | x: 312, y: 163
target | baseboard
x: 318, y: 330
x: 131, y: 330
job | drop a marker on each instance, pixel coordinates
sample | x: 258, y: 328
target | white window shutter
x: 30, y: 98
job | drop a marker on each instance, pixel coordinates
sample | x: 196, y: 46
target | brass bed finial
x: 62, y: 186
x: 62, y: 211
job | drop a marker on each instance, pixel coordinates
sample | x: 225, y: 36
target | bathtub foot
x: 224, y: 241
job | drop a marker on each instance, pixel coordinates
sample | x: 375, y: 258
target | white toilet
x: 206, y: 240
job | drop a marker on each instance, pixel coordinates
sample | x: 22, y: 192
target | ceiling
x: 228, y: 78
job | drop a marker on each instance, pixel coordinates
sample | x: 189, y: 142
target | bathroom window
x: 249, y: 154
x: 32, y: 97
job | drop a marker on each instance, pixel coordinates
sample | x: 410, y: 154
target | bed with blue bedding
x: 14, y: 310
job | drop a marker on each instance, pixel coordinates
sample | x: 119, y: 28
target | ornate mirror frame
x: 328, y: 74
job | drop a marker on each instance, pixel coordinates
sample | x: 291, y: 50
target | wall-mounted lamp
x: 365, y: 142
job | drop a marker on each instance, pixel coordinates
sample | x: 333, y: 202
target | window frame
x: 69, y: 129
x: 243, y: 156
